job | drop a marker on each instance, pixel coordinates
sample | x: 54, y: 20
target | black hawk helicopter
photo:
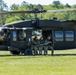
x: 16, y: 37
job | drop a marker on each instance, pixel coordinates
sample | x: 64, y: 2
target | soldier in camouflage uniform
x: 41, y: 45
x: 35, y: 45
x: 48, y: 45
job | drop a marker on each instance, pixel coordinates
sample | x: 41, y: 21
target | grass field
x: 62, y: 63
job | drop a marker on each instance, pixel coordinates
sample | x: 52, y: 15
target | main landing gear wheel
x: 28, y: 52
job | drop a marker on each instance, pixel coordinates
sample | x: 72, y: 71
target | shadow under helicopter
x: 38, y: 55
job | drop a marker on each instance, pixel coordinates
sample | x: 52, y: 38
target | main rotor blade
x: 15, y: 12
x: 64, y: 10
x: 37, y: 11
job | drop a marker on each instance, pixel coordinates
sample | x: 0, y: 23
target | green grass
x: 62, y: 63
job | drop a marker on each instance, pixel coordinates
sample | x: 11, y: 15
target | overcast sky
x: 43, y: 2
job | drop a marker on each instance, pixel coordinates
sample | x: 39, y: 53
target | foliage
x: 56, y: 4
x: 26, y: 6
x: 14, y: 7
x: 3, y: 7
x: 67, y: 5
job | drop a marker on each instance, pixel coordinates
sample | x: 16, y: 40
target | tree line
x: 56, y: 5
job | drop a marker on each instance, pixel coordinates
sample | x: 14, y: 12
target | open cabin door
x: 47, y: 33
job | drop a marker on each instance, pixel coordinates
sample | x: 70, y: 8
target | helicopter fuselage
x: 17, y: 36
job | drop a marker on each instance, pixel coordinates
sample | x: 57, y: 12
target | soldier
x: 35, y: 45
x: 41, y: 45
x: 19, y: 35
x: 48, y: 44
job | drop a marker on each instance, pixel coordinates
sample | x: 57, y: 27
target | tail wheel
x: 15, y: 52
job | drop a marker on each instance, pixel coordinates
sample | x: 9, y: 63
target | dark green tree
x: 30, y: 7
x: 3, y: 7
x: 24, y: 5
x: 67, y: 5
x: 40, y: 7
x: 56, y: 4
x: 14, y: 7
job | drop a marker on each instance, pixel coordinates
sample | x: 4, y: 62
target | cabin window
x: 14, y: 36
x: 58, y: 35
x: 21, y: 35
x: 69, y: 35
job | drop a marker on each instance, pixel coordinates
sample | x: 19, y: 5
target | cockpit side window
x: 21, y: 35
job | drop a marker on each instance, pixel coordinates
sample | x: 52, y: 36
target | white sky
x: 46, y: 2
